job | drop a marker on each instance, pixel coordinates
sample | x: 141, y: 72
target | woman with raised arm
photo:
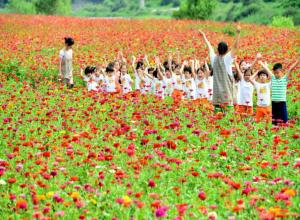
x: 223, y: 76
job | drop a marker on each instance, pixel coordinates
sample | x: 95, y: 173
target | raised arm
x: 193, y: 69
x: 292, y: 67
x: 178, y: 56
x: 257, y: 57
x: 133, y: 63
x: 207, y: 71
x: 239, y: 72
x: 236, y: 43
x: 146, y: 60
x: 266, y: 68
x: 206, y: 41
x: 185, y: 63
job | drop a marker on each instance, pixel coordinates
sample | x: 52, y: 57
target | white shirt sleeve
x: 61, y: 54
x: 228, y: 59
x: 212, y: 56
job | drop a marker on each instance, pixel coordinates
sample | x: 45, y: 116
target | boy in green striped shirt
x: 279, y: 87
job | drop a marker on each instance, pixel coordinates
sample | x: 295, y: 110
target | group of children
x: 187, y: 80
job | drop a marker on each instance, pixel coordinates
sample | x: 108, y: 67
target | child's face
x: 263, y: 78
x: 168, y: 74
x: 187, y: 75
x: 124, y: 69
x: 247, y: 76
x: 278, y: 73
x: 200, y: 74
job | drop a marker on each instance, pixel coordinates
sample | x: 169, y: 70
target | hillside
x: 256, y: 11
x: 252, y: 11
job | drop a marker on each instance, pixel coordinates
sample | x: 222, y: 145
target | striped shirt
x: 279, y: 86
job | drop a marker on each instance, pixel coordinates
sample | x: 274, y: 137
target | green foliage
x: 195, y: 9
x: 50, y: 7
x: 21, y: 6
x: 280, y: 21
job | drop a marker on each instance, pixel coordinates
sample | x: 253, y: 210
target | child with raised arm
x: 189, y: 82
x: 65, y: 62
x: 245, y: 96
x: 279, y: 81
x: 88, y: 75
x: 110, y: 80
x: 177, y: 94
x: 263, y: 91
x: 202, y: 84
x: 126, y: 81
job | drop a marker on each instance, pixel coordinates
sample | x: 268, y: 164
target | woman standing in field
x: 223, y: 76
x: 65, y: 62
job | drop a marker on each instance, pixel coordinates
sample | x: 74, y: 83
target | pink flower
x: 151, y: 183
x: 161, y: 212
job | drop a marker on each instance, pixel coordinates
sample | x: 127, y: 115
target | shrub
x: 281, y: 21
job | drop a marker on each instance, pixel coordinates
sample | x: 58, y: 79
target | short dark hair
x: 262, y: 72
x: 277, y: 66
x: 155, y: 73
x: 89, y: 70
x: 139, y: 64
x: 248, y: 70
x: 151, y: 69
x: 109, y: 69
x: 187, y: 69
x: 222, y: 48
x: 69, y: 41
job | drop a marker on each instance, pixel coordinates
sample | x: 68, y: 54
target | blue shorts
x: 279, y: 113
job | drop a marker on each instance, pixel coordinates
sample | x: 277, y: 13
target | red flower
x: 151, y: 183
x: 202, y: 195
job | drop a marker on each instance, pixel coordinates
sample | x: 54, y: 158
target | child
x: 126, y: 81
x: 210, y: 80
x: 178, y: 80
x: 263, y: 90
x: 158, y: 80
x: 189, y: 82
x: 99, y: 78
x: 279, y: 81
x: 202, y: 84
x: 65, y: 62
x: 110, y: 80
x: 89, y: 78
x: 245, y: 101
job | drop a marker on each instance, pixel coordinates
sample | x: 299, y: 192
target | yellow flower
x: 41, y: 197
x: 75, y: 195
x: 127, y: 200
x: 94, y: 201
x: 50, y: 194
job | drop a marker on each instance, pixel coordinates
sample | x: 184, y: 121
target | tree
x: 52, y: 7
x: 21, y: 6
x: 195, y: 9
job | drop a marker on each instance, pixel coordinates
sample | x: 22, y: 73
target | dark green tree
x: 195, y: 9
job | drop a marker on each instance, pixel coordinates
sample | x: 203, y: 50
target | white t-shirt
x: 246, y: 93
x: 202, y: 88
x: 210, y: 80
x: 228, y: 59
x: 190, y: 88
x: 110, y: 83
x: 137, y: 80
x: 159, y: 87
x: 263, y: 91
x: 66, y: 54
x: 91, y: 83
x: 178, y: 82
x: 146, y: 85
x: 169, y: 84
x: 126, y: 83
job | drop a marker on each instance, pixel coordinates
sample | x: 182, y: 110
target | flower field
x: 70, y: 154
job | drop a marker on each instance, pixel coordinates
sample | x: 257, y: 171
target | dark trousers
x: 279, y: 113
